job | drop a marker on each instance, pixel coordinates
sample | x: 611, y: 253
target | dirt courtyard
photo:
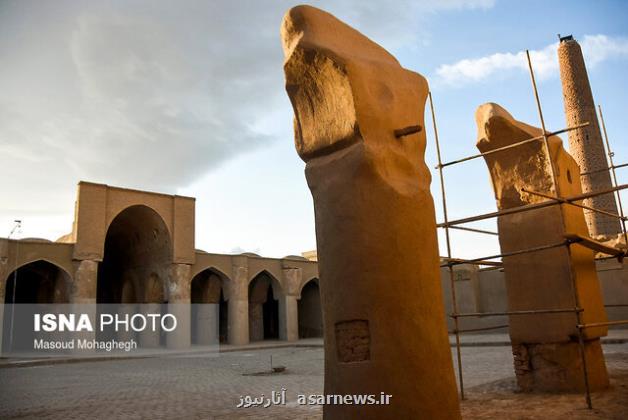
x: 499, y: 400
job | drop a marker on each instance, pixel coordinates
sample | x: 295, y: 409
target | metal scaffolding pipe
x: 614, y: 176
x: 528, y: 207
x: 487, y: 232
x: 571, y: 203
x: 528, y: 312
x: 496, y: 327
x: 553, y: 200
x: 623, y: 165
x: 459, y: 261
x: 454, y: 301
x: 602, y: 324
x: 522, y: 251
x: 571, y: 274
x: 510, y: 146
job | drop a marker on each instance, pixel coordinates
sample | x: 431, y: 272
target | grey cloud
x: 152, y: 94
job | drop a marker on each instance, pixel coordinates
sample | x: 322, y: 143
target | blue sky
x: 189, y: 99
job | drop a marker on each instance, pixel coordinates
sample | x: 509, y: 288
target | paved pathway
x: 200, y: 387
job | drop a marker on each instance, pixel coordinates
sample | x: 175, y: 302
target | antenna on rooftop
x: 16, y: 227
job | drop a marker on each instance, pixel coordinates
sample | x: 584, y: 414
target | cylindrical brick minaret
x: 585, y: 144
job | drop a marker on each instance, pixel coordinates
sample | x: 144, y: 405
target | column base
x: 557, y: 367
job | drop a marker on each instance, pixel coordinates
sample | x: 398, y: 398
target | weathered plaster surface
x: 542, y: 279
x: 375, y: 224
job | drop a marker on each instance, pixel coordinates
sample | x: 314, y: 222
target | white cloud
x: 596, y: 49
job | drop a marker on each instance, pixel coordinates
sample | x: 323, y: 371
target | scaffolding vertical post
x: 454, y: 302
x: 545, y: 138
x: 611, y: 165
x: 571, y: 274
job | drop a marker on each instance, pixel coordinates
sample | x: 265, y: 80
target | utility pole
x: 16, y: 228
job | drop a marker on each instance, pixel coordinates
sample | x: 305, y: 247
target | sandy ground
x: 499, y: 399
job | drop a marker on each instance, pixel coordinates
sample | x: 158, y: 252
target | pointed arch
x: 264, y: 290
x: 37, y: 281
x: 309, y: 309
x: 209, y: 310
x: 138, y: 246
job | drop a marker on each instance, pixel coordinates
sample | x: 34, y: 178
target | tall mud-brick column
x: 585, y: 144
x: 545, y: 346
x: 359, y: 128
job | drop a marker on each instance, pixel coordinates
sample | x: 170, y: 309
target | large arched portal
x: 263, y: 308
x: 38, y: 282
x: 137, y: 258
x: 136, y: 264
x: 310, y: 311
x: 209, y: 308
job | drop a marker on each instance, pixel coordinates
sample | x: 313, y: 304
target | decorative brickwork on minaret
x: 585, y: 144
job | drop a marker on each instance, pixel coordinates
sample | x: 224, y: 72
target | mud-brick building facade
x: 137, y: 247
